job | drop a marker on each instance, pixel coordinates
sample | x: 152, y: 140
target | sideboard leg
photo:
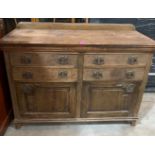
x: 133, y: 123
x: 18, y: 125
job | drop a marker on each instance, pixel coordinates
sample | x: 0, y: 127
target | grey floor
x: 145, y: 126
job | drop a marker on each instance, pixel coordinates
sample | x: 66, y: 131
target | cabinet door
x: 101, y: 100
x: 44, y: 100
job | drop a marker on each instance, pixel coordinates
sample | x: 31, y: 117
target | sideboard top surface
x: 107, y: 35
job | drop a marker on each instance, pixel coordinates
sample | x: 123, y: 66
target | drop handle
x: 63, y: 60
x: 97, y: 75
x: 130, y: 74
x: 63, y: 74
x: 98, y: 61
x: 132, y: 60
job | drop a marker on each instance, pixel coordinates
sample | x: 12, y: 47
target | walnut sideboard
x: 76, y: 72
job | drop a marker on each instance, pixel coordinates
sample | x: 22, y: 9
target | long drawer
x: 44, y: 59
x: 115, y: 74
x: 102, y: 60
x: 44, y: 74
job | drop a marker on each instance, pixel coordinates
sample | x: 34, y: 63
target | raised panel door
x: 108, y: 100
x: 46, y: 100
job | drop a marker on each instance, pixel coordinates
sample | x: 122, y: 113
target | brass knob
x: 132, y: 60
x: 25, y: 60
x: 98, y: 61
x: 97, y: 75
x: 63, y: 74
x: 63, y: 60
x: 27, y: 75
x: 130, y: 74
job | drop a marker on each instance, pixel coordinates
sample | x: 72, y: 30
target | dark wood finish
x: 5, y: 102
x: 76, y: 73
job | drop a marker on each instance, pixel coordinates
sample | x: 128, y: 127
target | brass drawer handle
x: 27, y: 75
x: 97, y: 75
x: 63, y: 60
x: 130, y: 74
x: 98, y: 61
x: 25, y: 60
x: 132, y: 60
x: 63, y: 74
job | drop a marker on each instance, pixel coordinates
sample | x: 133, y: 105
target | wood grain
x: 115, y: 60
x: 60, y: 100
x: 43, y: 59
x: 89, y: 89
x: 77, y: 26
x: 113, y: 74
x: 111, y: 37
x: 41, y: 74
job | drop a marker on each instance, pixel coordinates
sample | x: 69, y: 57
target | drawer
x: 135, y: 74
x: 44, y: 74
x: 102, y: 60
x: 44, y: 59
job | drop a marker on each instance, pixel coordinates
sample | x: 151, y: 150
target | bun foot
x: 18, y: 125
x: 133, y: 123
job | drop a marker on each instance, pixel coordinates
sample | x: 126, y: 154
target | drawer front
x: 44, y: 59
x: 135, y: 74
x: 101, y: 60
x: 45, y: 74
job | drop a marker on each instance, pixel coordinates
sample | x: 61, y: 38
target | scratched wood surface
x: 113, y: 37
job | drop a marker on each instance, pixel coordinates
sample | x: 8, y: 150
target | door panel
x: 108, y: 99
x: 46, y: 100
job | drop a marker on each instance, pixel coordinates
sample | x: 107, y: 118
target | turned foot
x: 133, y: 123
x: 18, y: 125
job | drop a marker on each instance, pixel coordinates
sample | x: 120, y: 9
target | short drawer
x: 45, y: 74
x: 44, y: 59
x: 101, y: 60
x: 135, y: 74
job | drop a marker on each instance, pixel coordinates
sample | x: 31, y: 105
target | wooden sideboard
x: 76, y: 72
x: 5, y: 101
